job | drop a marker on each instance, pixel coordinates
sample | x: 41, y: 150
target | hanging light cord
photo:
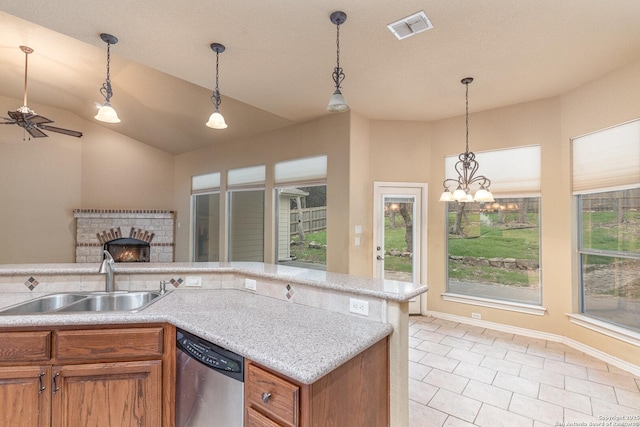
x: 467, y: 117
x: 105, y: 90
x: 215, y: 97
x: 338, y: 75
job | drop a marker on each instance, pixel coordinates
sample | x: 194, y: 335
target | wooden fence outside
x: 313, y: 220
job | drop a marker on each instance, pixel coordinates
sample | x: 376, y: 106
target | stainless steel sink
x: 130, y: 301
x: 83, y: 302
x: 43, y: 304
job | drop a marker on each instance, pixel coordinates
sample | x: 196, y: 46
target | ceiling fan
x: 27, y: 119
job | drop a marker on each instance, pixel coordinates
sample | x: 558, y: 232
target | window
x: 494, y: 248
x: 301, y: 212
x: 245, y: 189
x: 606, y: 183
x: 205, y: 190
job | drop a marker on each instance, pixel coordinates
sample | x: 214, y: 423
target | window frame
x: 528, y: 187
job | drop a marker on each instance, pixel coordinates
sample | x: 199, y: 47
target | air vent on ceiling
x: 410, y: 26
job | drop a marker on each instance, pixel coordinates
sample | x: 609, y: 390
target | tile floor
x: 463, y: 375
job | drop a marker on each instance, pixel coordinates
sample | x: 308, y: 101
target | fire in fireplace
x: 128, y: 250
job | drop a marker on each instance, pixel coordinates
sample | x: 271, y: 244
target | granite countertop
x: 301, y: 342
x: 392, y: 290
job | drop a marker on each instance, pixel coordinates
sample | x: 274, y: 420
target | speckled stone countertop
x: 301, y: 342
x: 392, y: 290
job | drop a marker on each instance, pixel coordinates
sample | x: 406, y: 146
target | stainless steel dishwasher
x: 209, y: 384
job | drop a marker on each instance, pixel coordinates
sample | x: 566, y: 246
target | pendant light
x: 106, y: 113
x: 216, y: 121
x: 466, y: 167
x: 337, y: 103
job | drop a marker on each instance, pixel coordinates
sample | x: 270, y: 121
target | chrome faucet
x: 106, y: 268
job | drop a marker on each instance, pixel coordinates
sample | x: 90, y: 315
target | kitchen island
x: 296, y: 321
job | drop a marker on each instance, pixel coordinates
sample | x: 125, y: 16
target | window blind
x: 205, y: 183
x: 607, y: 160
x: 310, y: 169
x: 244, y: 177
x: 514, y: 172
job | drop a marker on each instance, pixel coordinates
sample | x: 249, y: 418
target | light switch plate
x: 194, y: 281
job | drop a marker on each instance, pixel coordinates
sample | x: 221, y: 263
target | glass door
x: 399, y: 234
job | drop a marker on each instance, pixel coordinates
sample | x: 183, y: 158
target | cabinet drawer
x: 111, y: 344
x: 25, y: 346
x: 274, y: 396
x: 256, y: 419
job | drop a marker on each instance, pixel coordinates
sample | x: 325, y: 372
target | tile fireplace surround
x: 94, y: 227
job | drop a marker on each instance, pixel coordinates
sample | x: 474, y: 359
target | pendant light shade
x: 216, y: 120
x: 466, y: 167
x: 106, y: 113
x: 337, y: 103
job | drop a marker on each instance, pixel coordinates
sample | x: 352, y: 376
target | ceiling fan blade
x: 61, y: 130
x: 16, y: 115
x: 35, y: 132
x: 8, y: 121
x: 37, y: 120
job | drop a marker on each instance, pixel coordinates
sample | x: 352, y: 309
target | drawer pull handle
x: 41, y: 387
x: 266, y: 397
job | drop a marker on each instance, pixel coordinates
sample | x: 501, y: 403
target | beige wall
x: 44, y: 179
x: 328, y: 135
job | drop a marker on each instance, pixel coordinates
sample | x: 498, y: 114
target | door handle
x: 379, y: 258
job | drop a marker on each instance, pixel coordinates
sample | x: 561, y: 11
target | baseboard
x: 605, y: 357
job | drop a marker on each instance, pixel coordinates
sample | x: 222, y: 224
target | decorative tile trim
x: 125, y: 211
x: 109, y: 235
x: 288, y: 291
x: 31, y: 283
x: 99, y: 245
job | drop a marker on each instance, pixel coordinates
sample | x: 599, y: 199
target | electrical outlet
x: 194, y: 281
x: 476, y: 315
x: 360, y: 307
x: 250, y: 284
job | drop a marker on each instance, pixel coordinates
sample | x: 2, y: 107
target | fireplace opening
x: 128, y: 250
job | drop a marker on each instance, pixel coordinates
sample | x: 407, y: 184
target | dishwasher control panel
x: 210, y: 354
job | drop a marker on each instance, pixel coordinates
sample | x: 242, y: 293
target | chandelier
x: 467, y: 167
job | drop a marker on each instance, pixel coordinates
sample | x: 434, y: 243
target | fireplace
x: 128, y: 235
x: 128, y: 250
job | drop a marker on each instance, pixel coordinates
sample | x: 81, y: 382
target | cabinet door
x: 108, y: 394
x: 25, y: 396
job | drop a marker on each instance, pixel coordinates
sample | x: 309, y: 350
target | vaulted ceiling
x: 279, y: 57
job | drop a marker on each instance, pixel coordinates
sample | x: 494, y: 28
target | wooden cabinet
x: 97, y: 376
x: 355, y: 394
x: 24, y: 399
x: 107, y: 394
